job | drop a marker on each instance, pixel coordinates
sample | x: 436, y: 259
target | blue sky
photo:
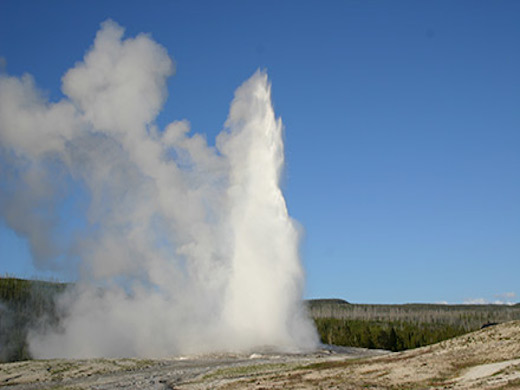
x: 402, y: 126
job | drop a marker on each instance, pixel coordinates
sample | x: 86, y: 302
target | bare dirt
x: 487, y: 359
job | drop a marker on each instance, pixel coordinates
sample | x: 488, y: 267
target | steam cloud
x: 181, y: 247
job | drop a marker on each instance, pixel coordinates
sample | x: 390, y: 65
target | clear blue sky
x: 402, y: 126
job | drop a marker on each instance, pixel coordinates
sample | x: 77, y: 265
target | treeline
x: 392, y: 336
x: 467, y: 317
x: 399, y: 327
x: 24, y: 305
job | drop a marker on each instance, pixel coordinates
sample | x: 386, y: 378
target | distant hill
x: 325, y: 301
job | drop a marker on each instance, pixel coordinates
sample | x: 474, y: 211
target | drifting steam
x: 181, y: 247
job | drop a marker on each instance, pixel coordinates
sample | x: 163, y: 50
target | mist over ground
x: 179, y: 246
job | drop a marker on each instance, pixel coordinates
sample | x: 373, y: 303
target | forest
x: 26, y: 305
x: 400, y: 327
x: 390, y: 335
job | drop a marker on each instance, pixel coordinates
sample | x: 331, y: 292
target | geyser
x: 179, y: 247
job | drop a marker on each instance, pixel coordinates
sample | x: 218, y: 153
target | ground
x: 486, y: 359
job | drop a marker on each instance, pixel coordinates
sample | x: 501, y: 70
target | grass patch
x: 330, y: 364
x: 246, y: 370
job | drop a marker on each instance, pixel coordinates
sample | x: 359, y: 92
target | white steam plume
x: 180, y: 247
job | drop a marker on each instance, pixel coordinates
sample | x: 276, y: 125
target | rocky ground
x: 487, y: 359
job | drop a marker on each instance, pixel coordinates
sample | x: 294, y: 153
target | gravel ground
x: 486, y: 359
x: 191, y: 371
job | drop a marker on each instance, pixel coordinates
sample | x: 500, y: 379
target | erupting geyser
x: 180, y: 247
